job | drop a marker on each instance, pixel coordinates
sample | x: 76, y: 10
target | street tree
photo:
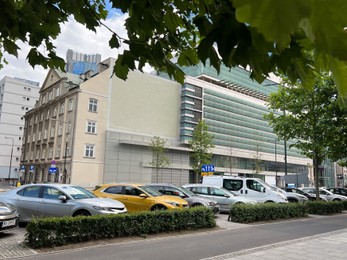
x: 257, y: 163
x: 312, y: 118
x: 200, y: 145
x: 159, y: 158
x: 264, y: 36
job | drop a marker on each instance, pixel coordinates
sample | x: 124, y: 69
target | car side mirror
x: 142, y: 195
x: 263, y: 189
x: 63, y: 198
x: 226, y: 195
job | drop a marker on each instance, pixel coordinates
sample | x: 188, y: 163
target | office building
x: 17, y: 96
x: 79, y: 63
x: 99, y: 128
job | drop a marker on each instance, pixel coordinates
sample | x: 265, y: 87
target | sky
x: 73, y: 36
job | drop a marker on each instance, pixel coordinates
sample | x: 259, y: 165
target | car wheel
x: 336, y: 200
x: 197, y: 205
x: 82, y: 213
x: 158, y: 207
x: 293, y: 200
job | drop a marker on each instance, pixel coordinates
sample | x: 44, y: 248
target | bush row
x: 270, y: 211
x: 50, y: 232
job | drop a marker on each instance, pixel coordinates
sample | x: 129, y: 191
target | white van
x: 252, y: 188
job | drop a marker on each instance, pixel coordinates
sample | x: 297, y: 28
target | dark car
x: 8, y: 217
x: 339, y: 191
x: 310, y: 196
x: 192, y: 199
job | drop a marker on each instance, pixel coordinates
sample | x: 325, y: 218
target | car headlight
x: 99, y: 208
x: 211, y: 203
x: 175, y: 204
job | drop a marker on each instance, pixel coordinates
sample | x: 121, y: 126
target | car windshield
x: 187, y: 192
x: 77, y: 192
x: 151, y: 191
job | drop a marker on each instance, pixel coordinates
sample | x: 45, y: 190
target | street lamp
x: 9, y: 168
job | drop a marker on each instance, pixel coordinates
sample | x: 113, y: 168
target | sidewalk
x: 319, y: 247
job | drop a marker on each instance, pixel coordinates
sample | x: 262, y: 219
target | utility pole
x: 10, y: 166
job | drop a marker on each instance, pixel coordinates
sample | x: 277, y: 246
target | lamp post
x: 276, y: 169
x: 9, y: 168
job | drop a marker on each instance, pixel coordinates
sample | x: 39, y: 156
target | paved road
x: 286, y: 239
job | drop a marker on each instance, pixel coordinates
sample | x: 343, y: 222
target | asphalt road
x: 206, y: 244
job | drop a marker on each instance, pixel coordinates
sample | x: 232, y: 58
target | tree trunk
x: 316, y: 163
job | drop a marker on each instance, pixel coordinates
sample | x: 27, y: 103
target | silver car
x: 8, y: 217
x: 58, y: 200
x: 291, y: 196
x: 325, y: 193
x: 225, y: 198
x: 192, y: 199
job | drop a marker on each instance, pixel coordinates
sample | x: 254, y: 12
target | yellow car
x: 139, y: 197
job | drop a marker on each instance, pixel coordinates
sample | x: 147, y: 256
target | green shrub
x: 264, y: 212
x: 324, y: 208
x: 49, y: 232
x: 344, y: 202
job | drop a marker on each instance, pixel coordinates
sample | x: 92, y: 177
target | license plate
x: 9, y: 223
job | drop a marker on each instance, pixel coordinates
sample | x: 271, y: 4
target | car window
x: 324, y: 192
x: 173, y: 192
x: 150, y: 191
x: 200, y: 190
x: 132, y: 191
x: 216, y: 192
x: 32, y: 192
x: 254, y: 185
x: 114, y: 190
x: 78, y: 192
x: 232, y: 184
x: 52, y: 193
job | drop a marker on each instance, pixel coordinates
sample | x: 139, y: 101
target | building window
x: 50, y: 155
x: 52, y: 131
x: 68, y: 127
x: 89, y: 150
x: 62, y: 108
x: 55, y: 110
x: 41, y: 116
x: 93, y: 105
x: 58, y: 151
x: 45, y: 134
x: 60, y: 129
x: 50, y: 96
x: 43, y: 155
x: 39, y: 136
x: 70, y: 104
x: 91, y: 127
x: 57, y: 91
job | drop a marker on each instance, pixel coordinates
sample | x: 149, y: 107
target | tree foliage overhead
x: 265, y: 35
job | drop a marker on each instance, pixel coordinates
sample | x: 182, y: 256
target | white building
x: 17, y: 96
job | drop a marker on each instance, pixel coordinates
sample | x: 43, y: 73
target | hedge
x: 270, y: 211
x: 54, y: 231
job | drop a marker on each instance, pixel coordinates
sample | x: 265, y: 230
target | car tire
x: 82, y: 213
x: 158, y: 207
x: 293, y: 200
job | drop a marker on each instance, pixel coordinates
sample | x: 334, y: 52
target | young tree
x: 313, y: 119
x: 257, y: 163
x: 244, y: 33
x: 159, y: 159
x: 200, y: 146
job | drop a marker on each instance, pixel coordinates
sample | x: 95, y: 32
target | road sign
x: 52, y: 170
x: 53, y: 162
x: 207, y: 168
x: 32, y: 167
x: 22, y: 168
x: 206, y: 173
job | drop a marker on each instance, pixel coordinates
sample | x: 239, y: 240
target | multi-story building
x: 79, y: 63
x: 17, y: 96
x: 99, y: 129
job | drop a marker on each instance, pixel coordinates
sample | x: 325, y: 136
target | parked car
x: 327, y: 194
x: 192, y: 199
x: 138, y: 197
x: 58, y: 200
x: 291, y: 197
x: 251, y: 188
x: 339, y: 191
x: 310, y: 196
x: 8, y: 217
x: 226, y: 199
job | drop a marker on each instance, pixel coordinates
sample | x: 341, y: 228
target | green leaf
x: 114, y: 43
x: 120, y: 70
x: 273, y: 18
x: 10, y: 47
x: 339, y: 69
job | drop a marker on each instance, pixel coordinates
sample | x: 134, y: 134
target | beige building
x: 93, y: 129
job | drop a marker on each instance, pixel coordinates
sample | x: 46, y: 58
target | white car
x: 325, y: 193
x: 226, y: 199
x: 291, y: 196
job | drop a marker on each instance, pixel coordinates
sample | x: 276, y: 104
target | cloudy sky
x: 73, y: 36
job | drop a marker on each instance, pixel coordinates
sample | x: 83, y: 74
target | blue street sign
x: 22, y: 167
x: 32, y: 167
x: 207, y: 168
x: 52, y: 170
